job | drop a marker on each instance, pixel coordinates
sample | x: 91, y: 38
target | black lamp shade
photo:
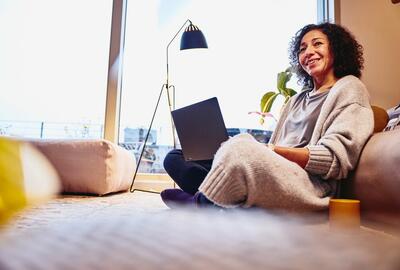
x: 193, y: 38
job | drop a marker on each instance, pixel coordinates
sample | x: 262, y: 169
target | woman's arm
x: 297, y: 155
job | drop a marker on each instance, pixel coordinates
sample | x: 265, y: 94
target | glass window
x: 53, y: 68
x: 248, y: 43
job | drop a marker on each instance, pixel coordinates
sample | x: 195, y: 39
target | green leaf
x: 291, y: 92
x: 265, y: 98
x: 281, y: 82
x: 268, y: 104
x: 268, y: 98
x: 283, y: 78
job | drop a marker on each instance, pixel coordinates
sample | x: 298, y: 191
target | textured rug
x: 68, y: 208
x: 126, y: 231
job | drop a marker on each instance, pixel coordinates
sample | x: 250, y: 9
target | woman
x: 317, y: 140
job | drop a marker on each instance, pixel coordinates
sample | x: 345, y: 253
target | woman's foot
x: 175, y: 197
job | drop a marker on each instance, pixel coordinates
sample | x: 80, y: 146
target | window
x: 53, y: 68
x: 248, y: 44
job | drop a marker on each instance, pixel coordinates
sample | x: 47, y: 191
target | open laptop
x: 201, y: 129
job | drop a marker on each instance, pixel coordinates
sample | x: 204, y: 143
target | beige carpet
x: 73, y: 207
x: 136, y: 231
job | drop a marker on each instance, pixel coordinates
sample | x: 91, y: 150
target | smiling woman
x: 315, y: 57
x: 317, y: 141
x: 321, y: 43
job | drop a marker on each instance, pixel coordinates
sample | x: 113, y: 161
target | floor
x: 136, y: 231
x: 69, y: 208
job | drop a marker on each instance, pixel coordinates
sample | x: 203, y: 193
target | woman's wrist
x: 297, y: 155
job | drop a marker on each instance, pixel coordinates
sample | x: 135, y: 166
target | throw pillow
x: 394, y: 118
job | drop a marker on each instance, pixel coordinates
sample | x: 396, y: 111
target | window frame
x: 115, y: 64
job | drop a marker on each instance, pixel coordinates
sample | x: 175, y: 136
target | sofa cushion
x: 376, y: 181
x: 89, y: 166
x: 381, y: 118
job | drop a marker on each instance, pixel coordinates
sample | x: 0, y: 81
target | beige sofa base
x: 376, y: 181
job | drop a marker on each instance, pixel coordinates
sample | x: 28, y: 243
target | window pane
x: 53, y: 68
x: 248, y: 43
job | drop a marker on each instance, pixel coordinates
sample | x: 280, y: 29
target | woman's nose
x: 309, y: 50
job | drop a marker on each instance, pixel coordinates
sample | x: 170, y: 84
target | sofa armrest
x: 376, y: 181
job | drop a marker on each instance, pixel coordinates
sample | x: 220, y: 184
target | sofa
x: 376, y: 181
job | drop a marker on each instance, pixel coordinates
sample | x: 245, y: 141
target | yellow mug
x: 344, y: 214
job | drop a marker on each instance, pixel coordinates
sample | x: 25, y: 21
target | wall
x: 376, y: 25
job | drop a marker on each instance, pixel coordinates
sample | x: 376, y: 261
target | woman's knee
x: 172, y: 159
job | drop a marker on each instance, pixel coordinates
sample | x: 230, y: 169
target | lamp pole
x: 167, y: 50
x: 168, y: 86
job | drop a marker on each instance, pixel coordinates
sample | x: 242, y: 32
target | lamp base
x: 171, y: 106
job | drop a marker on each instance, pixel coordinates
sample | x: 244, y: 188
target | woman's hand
x: 297, y: 155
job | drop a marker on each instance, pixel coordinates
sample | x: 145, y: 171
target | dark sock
x: 175, y: 197
x: 201, y: 199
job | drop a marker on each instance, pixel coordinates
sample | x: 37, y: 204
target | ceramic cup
x: 344, y: 214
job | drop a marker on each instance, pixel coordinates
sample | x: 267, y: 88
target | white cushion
x: 89, y: 166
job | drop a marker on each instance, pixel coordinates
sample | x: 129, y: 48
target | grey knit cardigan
x: 246, y: 173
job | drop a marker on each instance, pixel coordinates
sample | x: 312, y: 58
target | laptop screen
x: 201, y: 129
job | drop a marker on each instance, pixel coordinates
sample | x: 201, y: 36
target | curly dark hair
x: 347, y: 52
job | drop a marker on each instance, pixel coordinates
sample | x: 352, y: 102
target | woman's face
x: 315, y: 56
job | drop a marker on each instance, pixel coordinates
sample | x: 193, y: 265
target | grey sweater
x: 342, y: 128
x: 246, y: 173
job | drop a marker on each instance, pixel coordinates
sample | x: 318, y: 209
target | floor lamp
x: 192, y: 38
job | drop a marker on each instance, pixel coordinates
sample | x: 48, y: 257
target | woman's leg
x: 188, y: 175
x: 246, y: 173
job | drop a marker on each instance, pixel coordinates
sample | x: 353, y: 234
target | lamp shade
x: 193, y: 38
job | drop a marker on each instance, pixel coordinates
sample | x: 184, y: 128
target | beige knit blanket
x: 247, y: 173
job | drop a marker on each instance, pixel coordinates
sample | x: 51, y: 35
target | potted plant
x: 269, y: 97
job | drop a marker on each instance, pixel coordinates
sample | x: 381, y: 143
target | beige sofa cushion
x: 89, y: 166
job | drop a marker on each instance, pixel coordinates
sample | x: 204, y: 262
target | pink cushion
x: 89, y: 166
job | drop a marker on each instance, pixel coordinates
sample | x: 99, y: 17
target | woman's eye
x: 302, y: 49
x: 318, y: 43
